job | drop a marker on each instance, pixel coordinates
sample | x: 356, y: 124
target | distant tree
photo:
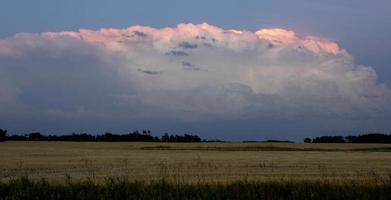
x: 366, y: 138
x: 135, y: 136
x: 351, y: 139
x: 329, y: 139
x: 307, y: 140
x: 165, y: 137
x: 180, y: 138
x: 36, y: 136
x: 370, y: 138
x: 3, y: 134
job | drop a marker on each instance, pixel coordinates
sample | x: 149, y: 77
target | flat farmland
x: 193, y: 162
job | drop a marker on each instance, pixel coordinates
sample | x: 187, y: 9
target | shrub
x: 3, y: 135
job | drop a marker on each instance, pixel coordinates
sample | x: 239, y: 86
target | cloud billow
x: 170, y: 73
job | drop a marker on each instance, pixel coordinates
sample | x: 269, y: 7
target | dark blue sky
x: 360, y: 26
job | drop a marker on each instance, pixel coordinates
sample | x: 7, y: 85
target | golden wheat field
x: 205, y: 162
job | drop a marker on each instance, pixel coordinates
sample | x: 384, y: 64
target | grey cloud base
x: 266, y: 83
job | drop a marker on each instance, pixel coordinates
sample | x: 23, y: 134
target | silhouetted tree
x: 370, y: 138
x: 165, y: 137
x: 36, y: 136
x: 351, y: 139
x: 307, y: 140
x: 329, y: 139
x: 135, y: 136
x: 366, y: 138
x: 3, y: 135
x: 180, y: 138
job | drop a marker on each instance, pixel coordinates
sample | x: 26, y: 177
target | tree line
x: 135, y: 136
x: 146, y: 136
x: 365, y: 138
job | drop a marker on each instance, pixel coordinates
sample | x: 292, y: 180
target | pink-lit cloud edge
x: 195, y: 70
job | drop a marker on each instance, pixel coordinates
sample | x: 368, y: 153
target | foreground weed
x: 123, y: 188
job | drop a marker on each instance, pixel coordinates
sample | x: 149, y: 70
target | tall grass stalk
x: 123, y: 188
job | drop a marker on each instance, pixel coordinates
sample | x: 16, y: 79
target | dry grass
x: 201, y: 162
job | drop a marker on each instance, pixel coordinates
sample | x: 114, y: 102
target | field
x: 194, y: 162
x: 124, y: 170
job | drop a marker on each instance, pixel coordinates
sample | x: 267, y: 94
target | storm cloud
x: 270, y: 74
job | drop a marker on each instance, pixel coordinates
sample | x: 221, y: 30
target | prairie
x: 194, y: 162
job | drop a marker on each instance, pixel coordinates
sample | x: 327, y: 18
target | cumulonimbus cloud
x: 190, y: 72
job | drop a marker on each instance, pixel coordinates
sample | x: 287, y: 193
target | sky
x: 221, y: 69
